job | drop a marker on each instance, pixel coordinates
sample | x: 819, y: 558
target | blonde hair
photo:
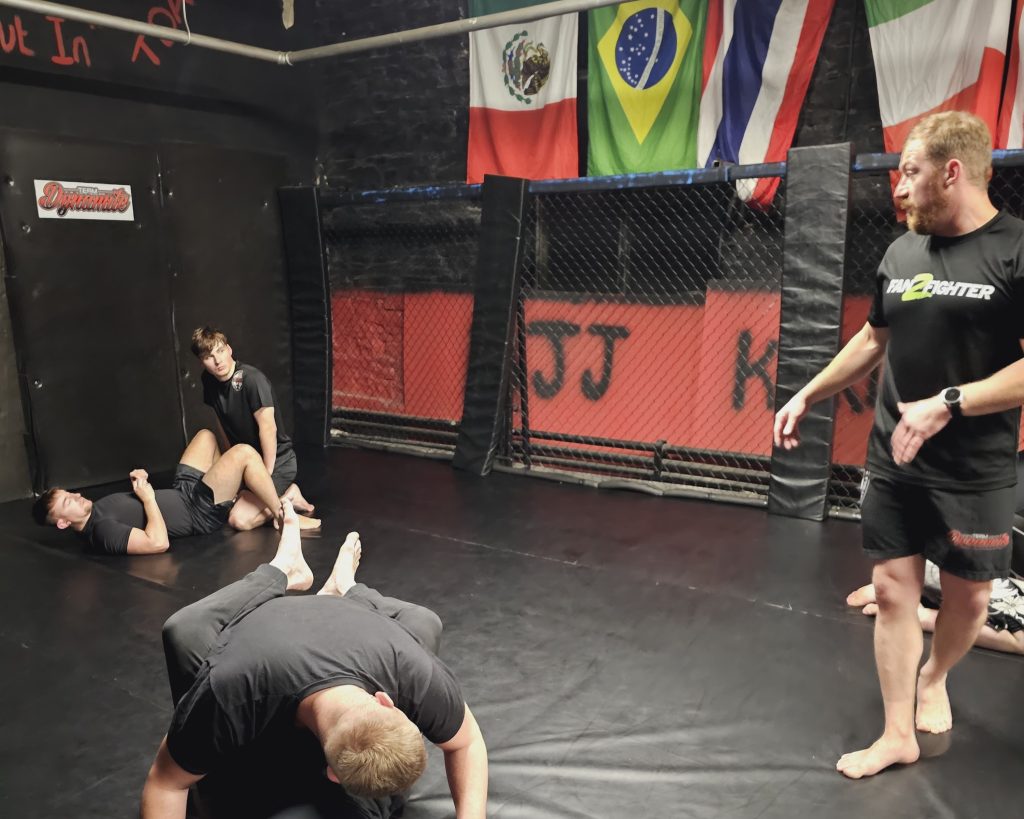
x: 957, y: 135
x: 376, y: 753
x: 204, y: 339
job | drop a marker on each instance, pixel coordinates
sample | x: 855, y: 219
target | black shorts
x: 285, y: 469
x: 206, y: 515
x: 963, y: 533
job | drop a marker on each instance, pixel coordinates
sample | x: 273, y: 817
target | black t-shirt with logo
x: 235, y: 401
x: 954, y: 307
x: 248, y: 689
x: 113, y: 518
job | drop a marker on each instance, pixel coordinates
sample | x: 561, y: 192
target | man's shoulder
x: 250, y: 373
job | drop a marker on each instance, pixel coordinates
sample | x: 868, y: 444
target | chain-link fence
x: 873, y: 226
x: 646, y: 339
x: 401, y: 268
x: 646, y: 331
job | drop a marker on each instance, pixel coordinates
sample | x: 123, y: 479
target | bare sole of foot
x: 343, y: 576
x: 861, y: 597
x: 881, y: 755
x: 308, y: 523
x: 934, y: 714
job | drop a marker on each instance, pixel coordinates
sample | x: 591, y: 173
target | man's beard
x: 924, y: 219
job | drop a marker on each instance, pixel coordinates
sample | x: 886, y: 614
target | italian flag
x: 937, y: 55
x: 522, y: 96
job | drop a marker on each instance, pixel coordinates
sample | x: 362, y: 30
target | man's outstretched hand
x: 920, y: 421
x: 786, y: 433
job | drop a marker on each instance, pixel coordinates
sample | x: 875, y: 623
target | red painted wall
x: 692, y: 376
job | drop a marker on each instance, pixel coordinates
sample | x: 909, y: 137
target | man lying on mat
x: 143, y: 521
x: 249, y: 666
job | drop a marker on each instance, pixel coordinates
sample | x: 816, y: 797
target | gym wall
x: 205, y: 139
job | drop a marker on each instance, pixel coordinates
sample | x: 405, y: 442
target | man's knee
x: 205, y: 437
x: 895, y: 591
x: 243, y: 452
x: 427, y: 626
x: 967, y: 595
x: 179, y: 631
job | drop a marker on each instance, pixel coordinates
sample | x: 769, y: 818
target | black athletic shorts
x: 206, y: 515
x: 964, y: 533
x: 285, y: 470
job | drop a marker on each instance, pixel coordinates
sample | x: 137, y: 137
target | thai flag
x: 758, y: 59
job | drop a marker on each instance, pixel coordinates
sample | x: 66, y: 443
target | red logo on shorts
x: 978, y: 541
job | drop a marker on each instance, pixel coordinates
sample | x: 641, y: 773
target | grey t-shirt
x: 250, y: 686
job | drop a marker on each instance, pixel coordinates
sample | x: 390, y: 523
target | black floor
x: 626, y: 656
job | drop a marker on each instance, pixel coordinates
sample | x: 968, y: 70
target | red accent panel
x: 436, y: 352
x: 367, y: 348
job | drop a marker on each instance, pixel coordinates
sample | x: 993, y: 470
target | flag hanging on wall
x: 937, y: 55
x: 758, y: 59
x: 1011, y: 118
x: 643, y: 85
x: 522, y: 96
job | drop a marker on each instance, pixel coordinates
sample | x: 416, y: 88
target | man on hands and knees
x: 144, y: 520
x: 244, y: 401
x: 948, y: 317
x: 248, y: 665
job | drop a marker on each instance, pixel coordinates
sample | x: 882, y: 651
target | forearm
x: 467, y: 779
x: 156, y: 528
x: 268, y: 446
x: 855, y: 361
x: 1001, y: 391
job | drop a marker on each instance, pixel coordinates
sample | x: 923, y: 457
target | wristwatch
x: 951, y: 397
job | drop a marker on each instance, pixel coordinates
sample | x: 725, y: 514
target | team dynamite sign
x: 83, y: 200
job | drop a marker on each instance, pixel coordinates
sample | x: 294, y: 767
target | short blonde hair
x: 204, y: 339
x: 376, y: 753
x: 957, y: 135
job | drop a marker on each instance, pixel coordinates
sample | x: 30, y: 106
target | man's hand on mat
x: 140, y: 484
x: 920, y: 421
x: 787, y: 420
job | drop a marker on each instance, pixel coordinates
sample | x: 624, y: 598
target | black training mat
x: 625, y: 655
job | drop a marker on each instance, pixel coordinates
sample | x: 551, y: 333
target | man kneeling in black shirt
x: 248, y: 666
x: 143, y: 521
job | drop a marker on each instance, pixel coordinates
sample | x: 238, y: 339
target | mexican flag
x: 644, y: 73
x: 522, y: 96
x: 937, y: 55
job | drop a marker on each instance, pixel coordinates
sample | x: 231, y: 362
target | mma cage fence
x: 641, y: 338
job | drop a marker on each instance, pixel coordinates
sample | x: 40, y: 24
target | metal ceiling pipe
x: 413, y: 35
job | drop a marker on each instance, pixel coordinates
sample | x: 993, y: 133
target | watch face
x: 951, y: 395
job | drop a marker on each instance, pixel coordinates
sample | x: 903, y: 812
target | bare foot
x: 300, y: 503
x: 878, y: 757
x: 862, y: 596
x: 306, y: 523
x: 871, y: 609
x: 343, y: 576
x: 289, y: 557
x: 934, y: 715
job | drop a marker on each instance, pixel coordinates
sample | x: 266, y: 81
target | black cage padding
x: 818, y: 184
x: 496, y: 291
x: 310, y: 314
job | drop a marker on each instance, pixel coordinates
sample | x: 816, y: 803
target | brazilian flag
x: 643, y: 85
